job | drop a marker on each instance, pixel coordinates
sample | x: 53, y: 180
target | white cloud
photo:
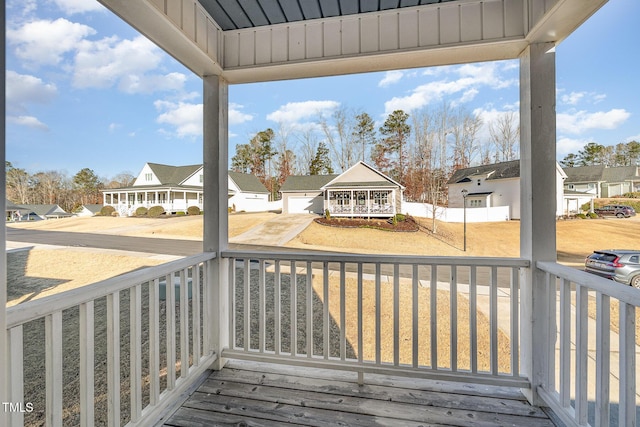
x: 23, y: 89
x: 294, y: 112
x: 566, y: 146
x: 138, y: 83
x: 78, y: 6
x: 469, y: 79
x: 237, y: 117
x: 184, y: 117
x: 44, y: 42
x: 28, y: 121
x: 577, y: 122
x: 573, y: 98
x: 110, y: 61
x: 390, y: 77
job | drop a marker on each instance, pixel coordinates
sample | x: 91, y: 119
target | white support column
x: 4, y: 368
x: 216, y: 236
x: 538, y: 205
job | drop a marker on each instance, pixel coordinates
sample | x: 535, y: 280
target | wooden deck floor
x: 254, y: 394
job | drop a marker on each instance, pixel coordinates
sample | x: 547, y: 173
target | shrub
x: 181, y: 213
x: 141, y: 211
x: 193, y: 210
x: 107, y: 210
x: 327, y: 214
x: 155, y: 211
x: 593, y: 215
x: 581, y: 216
x: 401, y: 217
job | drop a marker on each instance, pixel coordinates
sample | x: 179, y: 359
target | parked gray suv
x: 620, y: 211
x: 620, y: 265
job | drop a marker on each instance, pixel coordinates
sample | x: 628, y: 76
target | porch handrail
x: 289, y: 330
x: 38, y: 308
x: 569, y: 294
x: 188, y: 348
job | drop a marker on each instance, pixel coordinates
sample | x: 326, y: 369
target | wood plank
x: 284, y: 413
x: 374, y: 392
x: 190, y: 417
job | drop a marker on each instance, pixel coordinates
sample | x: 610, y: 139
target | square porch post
x: 4, y: 351
x: 538, y: 207
x: 215, y: 184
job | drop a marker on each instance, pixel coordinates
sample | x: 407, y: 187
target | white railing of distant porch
x: 333, y: 316
x: 584, y: 360
x: 185, y: 348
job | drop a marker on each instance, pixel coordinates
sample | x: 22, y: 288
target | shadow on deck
x: 258, y: 394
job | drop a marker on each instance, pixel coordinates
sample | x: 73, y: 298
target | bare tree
x: 339, y: 135
x: 505, y: 134
x: 464, y: 127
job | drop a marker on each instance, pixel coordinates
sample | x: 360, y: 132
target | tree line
x: 623, y: 154
x: 55, y: 187
x: 419, y: 150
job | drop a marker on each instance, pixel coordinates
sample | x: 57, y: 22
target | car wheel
x: 635, y: 282
x: 619, y: 215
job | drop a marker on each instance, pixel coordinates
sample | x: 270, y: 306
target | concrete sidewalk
x: 275, y: 232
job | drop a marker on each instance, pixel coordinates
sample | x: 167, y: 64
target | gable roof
x: 502, y: 170
x: 385, y: 181
x: 620, y: 174
x: 247, y: 183
x: 167, y: 174
x: 296, y: 183
x: 43, y: 210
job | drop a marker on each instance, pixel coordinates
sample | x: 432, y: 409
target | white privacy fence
x: 426, y: 210
x: 112, y: 353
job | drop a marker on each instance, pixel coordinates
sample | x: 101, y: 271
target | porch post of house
x: 4, y: 353
x: 215, y: 239
x: 538, y: 207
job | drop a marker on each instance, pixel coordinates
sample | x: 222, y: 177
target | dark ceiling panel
x: 330, y: 8
x: 254, y: 11
x: 291, y: 10
x: 349, y: 7
x: 369, y: 5
x: 273, y: 11
x: 234, y: 14
x: 310, y: 9
x: 389, y: 4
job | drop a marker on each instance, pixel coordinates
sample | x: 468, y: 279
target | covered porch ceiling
x: 264, y: 40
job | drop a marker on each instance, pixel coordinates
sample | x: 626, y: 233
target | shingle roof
x: 584, y: 174
x: 306, y: 182
x: 621, y: 173
x: 247, y: 183
x: 167, y: 174
x: 502, y: 170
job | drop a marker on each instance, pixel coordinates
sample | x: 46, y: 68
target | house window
x: 343, y: 198
x: 201, y: 178
x: 381, y: 197
x: 361, y: 198
x: 475, y: 203
x: 148, y: 177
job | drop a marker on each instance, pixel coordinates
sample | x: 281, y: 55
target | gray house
x: 603, y: 181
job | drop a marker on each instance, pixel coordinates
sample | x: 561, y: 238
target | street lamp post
x: 464, y: 218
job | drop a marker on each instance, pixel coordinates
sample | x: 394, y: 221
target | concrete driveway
x: 275, y: 232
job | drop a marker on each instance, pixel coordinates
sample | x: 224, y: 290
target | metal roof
x: 236, y: 14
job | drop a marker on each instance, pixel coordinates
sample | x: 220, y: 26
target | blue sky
x: 86, y: 90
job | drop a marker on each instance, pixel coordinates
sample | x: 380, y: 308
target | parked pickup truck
x: 620, y: 211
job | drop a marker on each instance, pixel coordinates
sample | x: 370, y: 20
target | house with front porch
x: 360, y: 191
x: 533, y: 328
x: 176, y: 188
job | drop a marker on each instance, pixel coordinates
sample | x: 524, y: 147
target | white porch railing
x: 107, y: 322
x: 591, y: 377
x: 374, y: 314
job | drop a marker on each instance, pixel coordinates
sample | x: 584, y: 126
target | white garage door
x: 305, y: 204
